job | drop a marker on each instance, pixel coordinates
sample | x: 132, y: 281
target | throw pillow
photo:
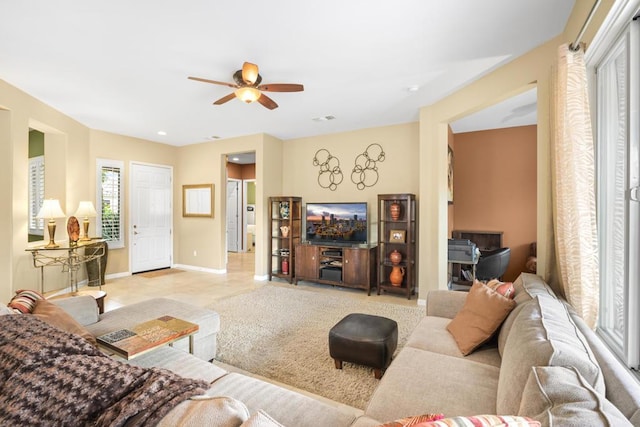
x: 413, y: 421
x: 25, y: 301
x: 56, y: 316
x: 482, y: 421
x: 261, y: 419
x: 503, y: 288
x: 483, y: 312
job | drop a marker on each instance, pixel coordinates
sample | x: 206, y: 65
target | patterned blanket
x: 54, y: 378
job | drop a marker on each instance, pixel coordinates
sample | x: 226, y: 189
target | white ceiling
x: 122, y: 66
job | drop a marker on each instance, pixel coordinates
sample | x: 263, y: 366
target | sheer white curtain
x: 574, y: 186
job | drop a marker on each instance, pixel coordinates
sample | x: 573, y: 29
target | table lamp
x: 51, y: 209
x: 86, y: 210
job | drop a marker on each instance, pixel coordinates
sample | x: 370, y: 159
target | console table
x: 69, y: 257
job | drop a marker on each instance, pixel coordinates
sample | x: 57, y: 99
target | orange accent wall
x: 237, y: 171
x: 494, y: 180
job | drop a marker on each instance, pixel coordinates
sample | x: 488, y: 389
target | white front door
x: 151, y: 204
x: 233, y: 215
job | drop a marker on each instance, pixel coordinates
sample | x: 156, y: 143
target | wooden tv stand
x: 351, y: 267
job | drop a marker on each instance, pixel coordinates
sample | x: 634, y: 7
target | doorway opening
x: 241, y: 203
x: 494, y: 156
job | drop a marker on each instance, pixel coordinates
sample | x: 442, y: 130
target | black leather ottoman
x: 364, y: 339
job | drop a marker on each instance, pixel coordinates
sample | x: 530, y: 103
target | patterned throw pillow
x: 416, y: 421
x: 25, y: 301
x: 503, y: 288
x: 482, y: 421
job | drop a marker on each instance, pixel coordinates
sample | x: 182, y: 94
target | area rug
x: 158, y: 273
x: 282, y: 334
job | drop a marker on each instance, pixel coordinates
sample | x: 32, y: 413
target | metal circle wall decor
x: 330, y: 174
x: 365, y: 172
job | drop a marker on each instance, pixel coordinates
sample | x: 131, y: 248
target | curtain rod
x: 575, y: 46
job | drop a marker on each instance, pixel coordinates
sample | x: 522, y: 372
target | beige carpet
x: 282, y: 334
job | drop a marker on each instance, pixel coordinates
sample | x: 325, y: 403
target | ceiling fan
x: 249, y: 89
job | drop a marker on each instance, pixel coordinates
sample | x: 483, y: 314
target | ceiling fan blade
x: 281, y: 87
x: 249, y: 73
x: 215, y: 82
x: 225, y: 99
x: 267, y: 102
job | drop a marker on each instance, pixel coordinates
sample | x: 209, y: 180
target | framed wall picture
x: 450, y: 178
x: 197, y: 200
x: 397, y: 236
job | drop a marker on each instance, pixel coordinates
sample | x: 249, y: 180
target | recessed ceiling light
x: 413, y: 88
x: 161, y: 132
x: 323, y: 118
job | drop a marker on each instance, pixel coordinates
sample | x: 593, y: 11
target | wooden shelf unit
x: 351, y: 267
x: 284, y: 211
x: 406, y: 223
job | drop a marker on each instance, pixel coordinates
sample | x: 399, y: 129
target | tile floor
x: 203, y: 289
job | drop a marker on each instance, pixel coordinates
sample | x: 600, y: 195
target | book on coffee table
x: 148, y: 336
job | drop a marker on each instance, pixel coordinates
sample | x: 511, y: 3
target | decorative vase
x: 396, y: 276
x: 285, y: 266
x: 284, y: 230
x: 395, y: 211
x: 395, y: 257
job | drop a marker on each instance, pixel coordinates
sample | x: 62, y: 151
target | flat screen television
x: 337, y: 223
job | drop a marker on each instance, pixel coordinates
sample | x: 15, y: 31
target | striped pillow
x: 25, y: 301
x: 416, y: 421
x: 482, y: 421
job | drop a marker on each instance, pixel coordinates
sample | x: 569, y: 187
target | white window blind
x: 109, y: 201
x: 36, y: 194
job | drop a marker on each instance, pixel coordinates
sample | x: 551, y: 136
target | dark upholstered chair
x: 493, y: 264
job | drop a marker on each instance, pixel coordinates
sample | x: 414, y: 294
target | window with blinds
x: 109, y: 201
x: 36, y: 194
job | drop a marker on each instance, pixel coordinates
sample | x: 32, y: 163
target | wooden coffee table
x: 147, y: 336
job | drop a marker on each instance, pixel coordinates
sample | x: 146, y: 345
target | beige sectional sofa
x: 543, y: 363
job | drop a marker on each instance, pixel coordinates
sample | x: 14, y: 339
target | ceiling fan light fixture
x: 248, y: 94
x: 249, y: 72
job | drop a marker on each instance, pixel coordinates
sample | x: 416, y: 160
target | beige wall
x: 129, y: 150
x: 67, y: 168
x: 206, y: 163
x: 495, y: 187
x: 396, y: 174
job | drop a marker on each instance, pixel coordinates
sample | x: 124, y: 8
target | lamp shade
x: 248, y: 94
x: 86, y: 210
x: 249, y: 73
x: 50, y: 209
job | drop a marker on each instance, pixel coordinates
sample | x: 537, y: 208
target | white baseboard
x: 117, y: 275
x: 196, y: 268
